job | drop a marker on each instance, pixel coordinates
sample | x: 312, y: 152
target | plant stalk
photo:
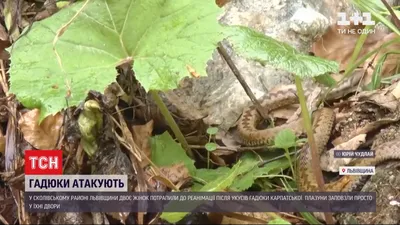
x: 171, y: 122
x: 310, y: 136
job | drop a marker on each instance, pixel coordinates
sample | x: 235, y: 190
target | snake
x: 323, y: 122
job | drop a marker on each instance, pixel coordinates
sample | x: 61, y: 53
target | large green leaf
x: 162, y: 37
x: 266, y: 50
x: 166, y: 152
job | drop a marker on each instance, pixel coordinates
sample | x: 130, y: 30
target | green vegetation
x: 125, y: 31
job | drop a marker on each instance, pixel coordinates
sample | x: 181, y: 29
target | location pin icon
x: 343, y: 170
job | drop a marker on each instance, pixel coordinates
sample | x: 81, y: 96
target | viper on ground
x: 323, y: 122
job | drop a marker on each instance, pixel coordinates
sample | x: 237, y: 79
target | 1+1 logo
x: 357, y: 19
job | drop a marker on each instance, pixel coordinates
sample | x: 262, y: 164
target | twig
x: 2, y: 218
x: 61, y: 31
x: 311, y: 141
x: 171, y: 122
x: 236, y: 149
x: 18, y: 179
x: 237, y: 74
x: 277, y: 157
x: 3, y: 79
x: 394, y: 17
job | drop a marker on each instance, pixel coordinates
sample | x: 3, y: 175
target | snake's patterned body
x: 323, y: 121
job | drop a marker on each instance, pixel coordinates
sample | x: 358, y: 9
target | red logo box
x: 43, y: 162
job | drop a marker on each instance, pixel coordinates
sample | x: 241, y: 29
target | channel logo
x: 43, y: 162
x: 357, y: 170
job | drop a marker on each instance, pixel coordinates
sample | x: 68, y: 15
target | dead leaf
x: 341, y: 116
x: 366, y: 129
x: 390, y: 66
x: 44, y: 136
x: 157, y: 180
x: 71, y: 218
x: 221, y: 3
x: 217, y: 160
x: 2, y: 145
x: 339, y: 47
x: 12, y: 18
x: 181, y: 105
x: 227, y: 138
x: 192, y: 71
x: 3, y: 34
x: 167, y: 177
x: 175, y: 173
x: 382, y: 98
x: 4, y: 43
x: 141, y: 136
x: 50, y: 9
x: 396, y: 91
x: 120, y: 216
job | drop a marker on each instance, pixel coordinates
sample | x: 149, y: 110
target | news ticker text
x: 200, y: 202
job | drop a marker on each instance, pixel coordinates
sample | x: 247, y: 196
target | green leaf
x: 162, y: 37
x: 326, y: 80
x: 61, y: 4
x: 212, y: 130
x: 249, y: 162
x: 221, y: 183
x: 302, y: 140
x: 173, y: 217
x: 352, y: 220
x: 209, y: 175
x: 285, y: 139
x: 378, y: 12
x: 279, y: 221
x: 243, y: 182
x: 306, y: 215
x: 211, y: 146
x: 166, y: 152
x: 376, y: 74
x: 265, y: 185
x: 217, y: 185
x: 389, y: 80
x: 196, y: 186
x: 272, y: 168
x: 266, y: 50
x: 246, y: 178
x: 309, y: 218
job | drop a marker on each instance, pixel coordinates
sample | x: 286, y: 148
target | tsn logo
x: 43, y: 162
